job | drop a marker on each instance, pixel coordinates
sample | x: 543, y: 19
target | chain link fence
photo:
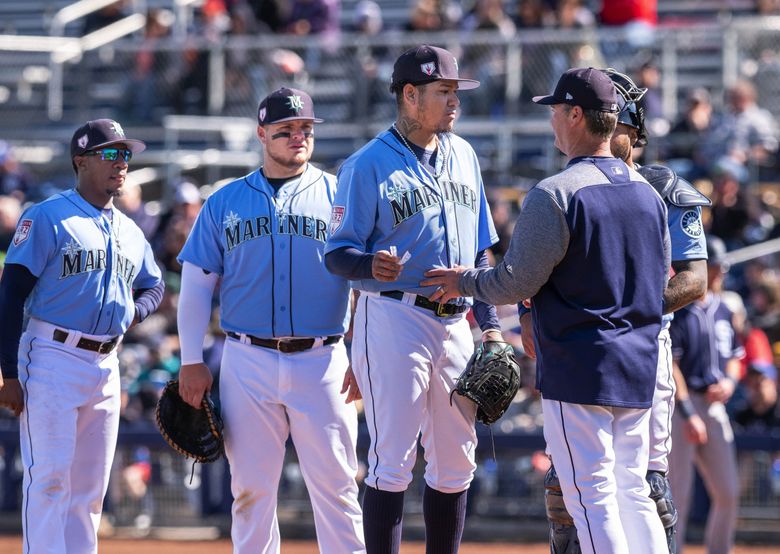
x: 141, y: 82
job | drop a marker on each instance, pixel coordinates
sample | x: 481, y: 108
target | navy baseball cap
x: 767, y: 369
x: 100, y: 133
x: 425, y: 64
x: 286, y: 104
x: 586, y: 87
x: 716, y: 251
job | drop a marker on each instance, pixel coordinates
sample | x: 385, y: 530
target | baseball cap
x: 716, y: 251
x: 187, y: 193
x: 767, y: 369
x: 99, y: 133
x: 586, y: 87
x: 425, y: 64
x: 698, y: 95
x: 286, y: 104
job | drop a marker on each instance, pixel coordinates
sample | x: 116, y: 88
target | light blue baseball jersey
x: 386, y: 198
x: 686, y: 232
x: 268, y: 248
x: 87, y: 264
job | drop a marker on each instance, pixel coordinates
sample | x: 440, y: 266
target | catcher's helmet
x: 630, y: 104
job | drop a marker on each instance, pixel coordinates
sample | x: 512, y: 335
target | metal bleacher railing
x: 348, y: 75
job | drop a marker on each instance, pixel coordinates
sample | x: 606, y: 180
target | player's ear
x: 575, y: 114
x: 79, y: 163
x: 261, y: 136
x: 410, y: 92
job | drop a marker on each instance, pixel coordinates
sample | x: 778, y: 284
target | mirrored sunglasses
x: 111, y: 154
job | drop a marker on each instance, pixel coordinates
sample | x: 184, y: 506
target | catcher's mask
x: 630, y: 103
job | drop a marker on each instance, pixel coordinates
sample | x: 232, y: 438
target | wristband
x: 686, y: 408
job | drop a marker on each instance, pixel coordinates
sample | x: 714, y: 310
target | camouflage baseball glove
x: 491, y: 380
x: 193, y: 433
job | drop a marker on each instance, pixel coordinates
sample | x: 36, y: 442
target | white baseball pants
x: 601, y: 455
x: 663, y: 407
x: 406, y: 361
x: 68, y: 437
x: 267, y: 395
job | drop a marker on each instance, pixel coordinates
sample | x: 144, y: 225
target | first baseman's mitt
x: 193, y: 433
x: 491, y: 380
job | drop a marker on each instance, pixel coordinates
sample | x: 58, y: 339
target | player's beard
x: 446, y: 127
x: 621, y: 149
x: 292, y: 162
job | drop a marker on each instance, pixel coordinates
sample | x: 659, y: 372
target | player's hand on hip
x: 194, y: 381
x: 350, y: 386
x: 446, y: 281
x: 527, y: 334
x: 385, y: 266
x: 11, y: 395
x: 695, y: 430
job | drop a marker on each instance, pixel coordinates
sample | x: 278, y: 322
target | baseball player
x: 591, y: 247
x: 689, y: 282
x: 706, y: 358
x: 411, y: 199
x: 87, y: 274
x: 262, y: 236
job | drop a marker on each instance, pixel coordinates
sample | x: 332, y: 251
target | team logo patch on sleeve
x: 691, y: 224
x: 22, y: 231
x: 336, y: 217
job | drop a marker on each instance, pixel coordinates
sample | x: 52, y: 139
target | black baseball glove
x: 193, y: 433
x: 491, y: 380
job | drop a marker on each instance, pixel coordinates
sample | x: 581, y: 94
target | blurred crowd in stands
x: 163, y: 80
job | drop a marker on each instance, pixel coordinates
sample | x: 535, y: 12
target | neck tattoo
x: 409, y: 147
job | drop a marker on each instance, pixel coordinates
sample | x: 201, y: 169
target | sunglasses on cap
x: 111, y: 154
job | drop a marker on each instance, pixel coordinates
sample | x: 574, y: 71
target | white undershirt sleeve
x: 194, y: 311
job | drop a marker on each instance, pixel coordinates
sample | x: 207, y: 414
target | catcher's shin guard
x: 661, y: 494
x: 563, y: 533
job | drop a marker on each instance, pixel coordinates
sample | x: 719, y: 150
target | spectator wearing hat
x: 132, y: 204
x: 682, y: 151
x: 706, y: 356
x: 14, y: 179
x: 760, y: 410
x: 736, y: 215
x: 745, y: 132
x: 176, y: 224
x: 753, y: 339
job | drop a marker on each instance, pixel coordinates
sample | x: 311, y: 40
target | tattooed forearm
x: 688, y: 283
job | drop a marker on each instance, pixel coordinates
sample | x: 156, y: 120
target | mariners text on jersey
x: 77, y: 260
x: 406, y: 202
x: 239, y: 230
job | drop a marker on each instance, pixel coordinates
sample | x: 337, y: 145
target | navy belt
x: 441, y: 310
x: 286, y: 346
x: 88, y: 344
